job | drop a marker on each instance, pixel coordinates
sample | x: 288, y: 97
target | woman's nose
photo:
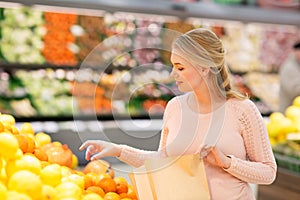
x: 173, y: 74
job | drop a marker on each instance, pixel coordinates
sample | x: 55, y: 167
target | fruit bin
x: 287, y: 162
x: 36, y: 166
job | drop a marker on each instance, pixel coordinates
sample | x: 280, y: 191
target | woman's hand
x: 217, y: 158
x: 96, y: 149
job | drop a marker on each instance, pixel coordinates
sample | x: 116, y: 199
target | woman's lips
x: 178, y: 82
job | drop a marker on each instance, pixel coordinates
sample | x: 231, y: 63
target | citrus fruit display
x: 33, y: 167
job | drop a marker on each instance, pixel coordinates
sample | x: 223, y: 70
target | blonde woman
x: 211, y: 119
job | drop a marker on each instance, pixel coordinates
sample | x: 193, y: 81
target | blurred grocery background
x: 77, y: 70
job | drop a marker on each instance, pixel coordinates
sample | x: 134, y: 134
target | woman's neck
x: 203, y: 103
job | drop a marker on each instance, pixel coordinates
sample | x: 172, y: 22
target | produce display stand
x: 286, y: 186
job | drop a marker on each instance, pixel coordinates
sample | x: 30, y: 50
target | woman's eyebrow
x: 174, y: 64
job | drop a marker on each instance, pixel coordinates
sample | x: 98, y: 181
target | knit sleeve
x: 260, y: 167
x: 136, y: 157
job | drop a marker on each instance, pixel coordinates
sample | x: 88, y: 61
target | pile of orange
x: 27, y: 173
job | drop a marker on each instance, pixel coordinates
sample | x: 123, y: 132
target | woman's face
x: 187, y: 77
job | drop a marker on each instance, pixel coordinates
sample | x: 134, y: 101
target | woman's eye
x: 180, y: 68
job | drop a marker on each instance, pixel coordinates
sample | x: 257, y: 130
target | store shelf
x: 182, y: 10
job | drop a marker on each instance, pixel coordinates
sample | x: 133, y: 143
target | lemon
x: 27, y: 128
x: 42, y: 139
x: 26, y: 162
x: 112, y: 196
x: 57, y: 143
x: 7, y: 118
x: 296, y: 101
x: 276, y: 116
x: 66, y: 171
x: 48, y: 192
x: 9, y: 146
x: 3, y: 176
x: 75, y: 178
x: 3, y: 191
x: 26, y: 182
x: 92, y: 196
x: 14, y: 130
x: 74, y: 161
x: 293, y: 112
x: 1, y: 127
x: 13, y: 195
x: 68, y: 190
x: 51, y: 175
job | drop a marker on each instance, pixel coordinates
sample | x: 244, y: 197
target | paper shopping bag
x: 141, y: 183
x: 173, y: 178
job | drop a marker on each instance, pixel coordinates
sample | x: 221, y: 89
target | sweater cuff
x: 233, y: 164
x: 124, y: 155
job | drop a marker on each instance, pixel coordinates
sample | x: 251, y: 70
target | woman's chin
x: 182, y: 89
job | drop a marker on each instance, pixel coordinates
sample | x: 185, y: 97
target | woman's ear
x: 204, y: 71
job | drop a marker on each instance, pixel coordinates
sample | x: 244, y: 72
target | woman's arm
x: 260, y: 168
x: 96, y: 149
x: 137, y: 157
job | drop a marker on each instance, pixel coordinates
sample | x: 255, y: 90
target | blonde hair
x: 203, y: 48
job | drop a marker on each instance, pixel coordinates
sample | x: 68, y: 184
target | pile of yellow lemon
x: 25, y: 177
x: 280, y: 125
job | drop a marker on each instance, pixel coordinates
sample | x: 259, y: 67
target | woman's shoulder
x: 176, y: 102
x: 241, y: 105
x: 178, y: 99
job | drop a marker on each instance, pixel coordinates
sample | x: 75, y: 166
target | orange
x: 112, y: 196
x: 99, y: 167
x: 23, y: 144
x: 98, y: 177
x: 88, y: 180
x: 96, y: 189
x: 26, y: 182
x: 121, y: 185
x: 41, y: 155
x: 108, y: 185
x: 9, y: 146
x: 27, y: 128
x: 123, y: 195
x: 26, y: 143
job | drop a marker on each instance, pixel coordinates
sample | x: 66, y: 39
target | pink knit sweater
x: 237, y: 129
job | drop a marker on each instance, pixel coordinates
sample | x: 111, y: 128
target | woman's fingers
x: 99, y: 155
x: 90, y: 150
x: 96, y: 149
x: 86, y: 144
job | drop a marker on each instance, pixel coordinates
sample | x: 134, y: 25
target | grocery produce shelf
x: 182, y: 10
x: 86, y: 118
